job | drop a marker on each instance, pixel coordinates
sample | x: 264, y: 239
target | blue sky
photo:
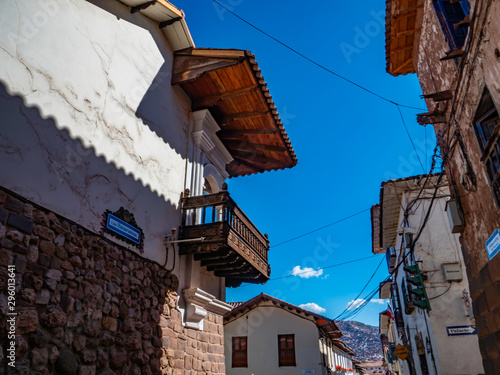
x: 347, y: 141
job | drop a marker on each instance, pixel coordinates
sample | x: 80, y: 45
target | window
x: 450, y: 13
x: 240, y: 350
x: 398, y: 316
x: 286, y: 350
x: 487, y: 128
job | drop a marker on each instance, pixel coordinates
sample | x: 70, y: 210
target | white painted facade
x: 314, y: 352
x: 436, y: 246
x: 87, y: 111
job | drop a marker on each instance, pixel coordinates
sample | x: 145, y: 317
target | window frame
x: 489, y: 147
x: 235, y: 361
x: 286, y: 361
x: 453, y: 37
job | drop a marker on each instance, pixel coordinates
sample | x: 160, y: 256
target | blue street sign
x: 461, y: 330
x: 123, y: 228
x: 493, y: 244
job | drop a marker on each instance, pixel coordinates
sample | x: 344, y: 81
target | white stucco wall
x: 89, y: 120
x: 435, y: 247
x: 262, y: 326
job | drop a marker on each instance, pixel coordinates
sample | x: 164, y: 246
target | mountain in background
x: 364, y: 339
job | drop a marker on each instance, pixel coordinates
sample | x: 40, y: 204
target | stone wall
x: 87, y: 306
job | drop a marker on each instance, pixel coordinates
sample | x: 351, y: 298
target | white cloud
x: 379, y: 301
x: 311, y: 306
x: 354, y: 304
x: 306, y: 272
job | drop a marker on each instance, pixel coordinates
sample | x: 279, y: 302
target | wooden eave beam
x: 252, y: 166
x: 237, y: 134
x: 142, y: 6
x: 248, y: 146
x: 458, y: 52
x: 212, y: 100
x: 164, y: 24
x: 257, y: 159
x: 401, y: 49
x: 188, y: 67
x: 407, y: 12
x: 402, y: 66
x: 242, y: 115
x: 406, y: 32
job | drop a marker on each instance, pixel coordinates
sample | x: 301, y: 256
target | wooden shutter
x: 240, y: 357
x: 286, y: 350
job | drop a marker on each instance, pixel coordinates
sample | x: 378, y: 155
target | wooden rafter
x: 402, y: 66
x: 247, y: 147
x: 237, y: 134
x: 211, y: 100
x: 407, y: 12
x: 259, y: 159
x: 241, y: 115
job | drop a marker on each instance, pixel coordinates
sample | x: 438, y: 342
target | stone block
x: 27, y: 320
x: 3, y: 215
x: 88, y: 356
x: 14, y: 205
x: 87, y: 370
x: 488, y: 346
x: 67, y: 363
x: 20, y: 222
x: 53, y: 316
x: 47, y: 247
x: 44, y: 232
x: 39, y: 357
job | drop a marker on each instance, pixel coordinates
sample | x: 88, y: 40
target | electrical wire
x: 315, y: 270
x: 362, y: 290
x: 314, y: 62
x: 442, y: 294
x: 320, y: 228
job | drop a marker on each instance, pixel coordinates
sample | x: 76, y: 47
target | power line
x: 319, y: 268
x: 314, y: 62
x: 362, y: 290
x: 409, y: 136
x: 323, y: 227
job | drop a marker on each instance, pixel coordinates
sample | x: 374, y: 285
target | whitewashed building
x: 413, y: 225
x: 116, y: 137
x: 266, y: 335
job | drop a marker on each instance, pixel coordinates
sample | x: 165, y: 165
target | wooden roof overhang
x: 170, y: 19
x: 328, y: 326
x: 402, y: 27
x: 344, y: 347
x: 391, y: 204
x: 228, y: 83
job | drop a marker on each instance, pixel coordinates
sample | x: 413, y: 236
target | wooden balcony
x: 223, y: 239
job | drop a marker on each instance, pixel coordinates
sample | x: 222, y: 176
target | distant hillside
x: 364, y: 339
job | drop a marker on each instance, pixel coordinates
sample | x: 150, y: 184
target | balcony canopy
x: 401, y: 31
x: 229, y: 84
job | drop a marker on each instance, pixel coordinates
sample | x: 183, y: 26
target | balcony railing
x: 223, y: 238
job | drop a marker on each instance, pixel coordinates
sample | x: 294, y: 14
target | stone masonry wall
x: 87, y: 306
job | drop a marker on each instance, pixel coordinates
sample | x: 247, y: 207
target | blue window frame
x: 449, y: 13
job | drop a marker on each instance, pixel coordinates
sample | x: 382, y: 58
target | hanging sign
x: 493, y: 244
x: 401, y: 352
x: 461, y: 330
